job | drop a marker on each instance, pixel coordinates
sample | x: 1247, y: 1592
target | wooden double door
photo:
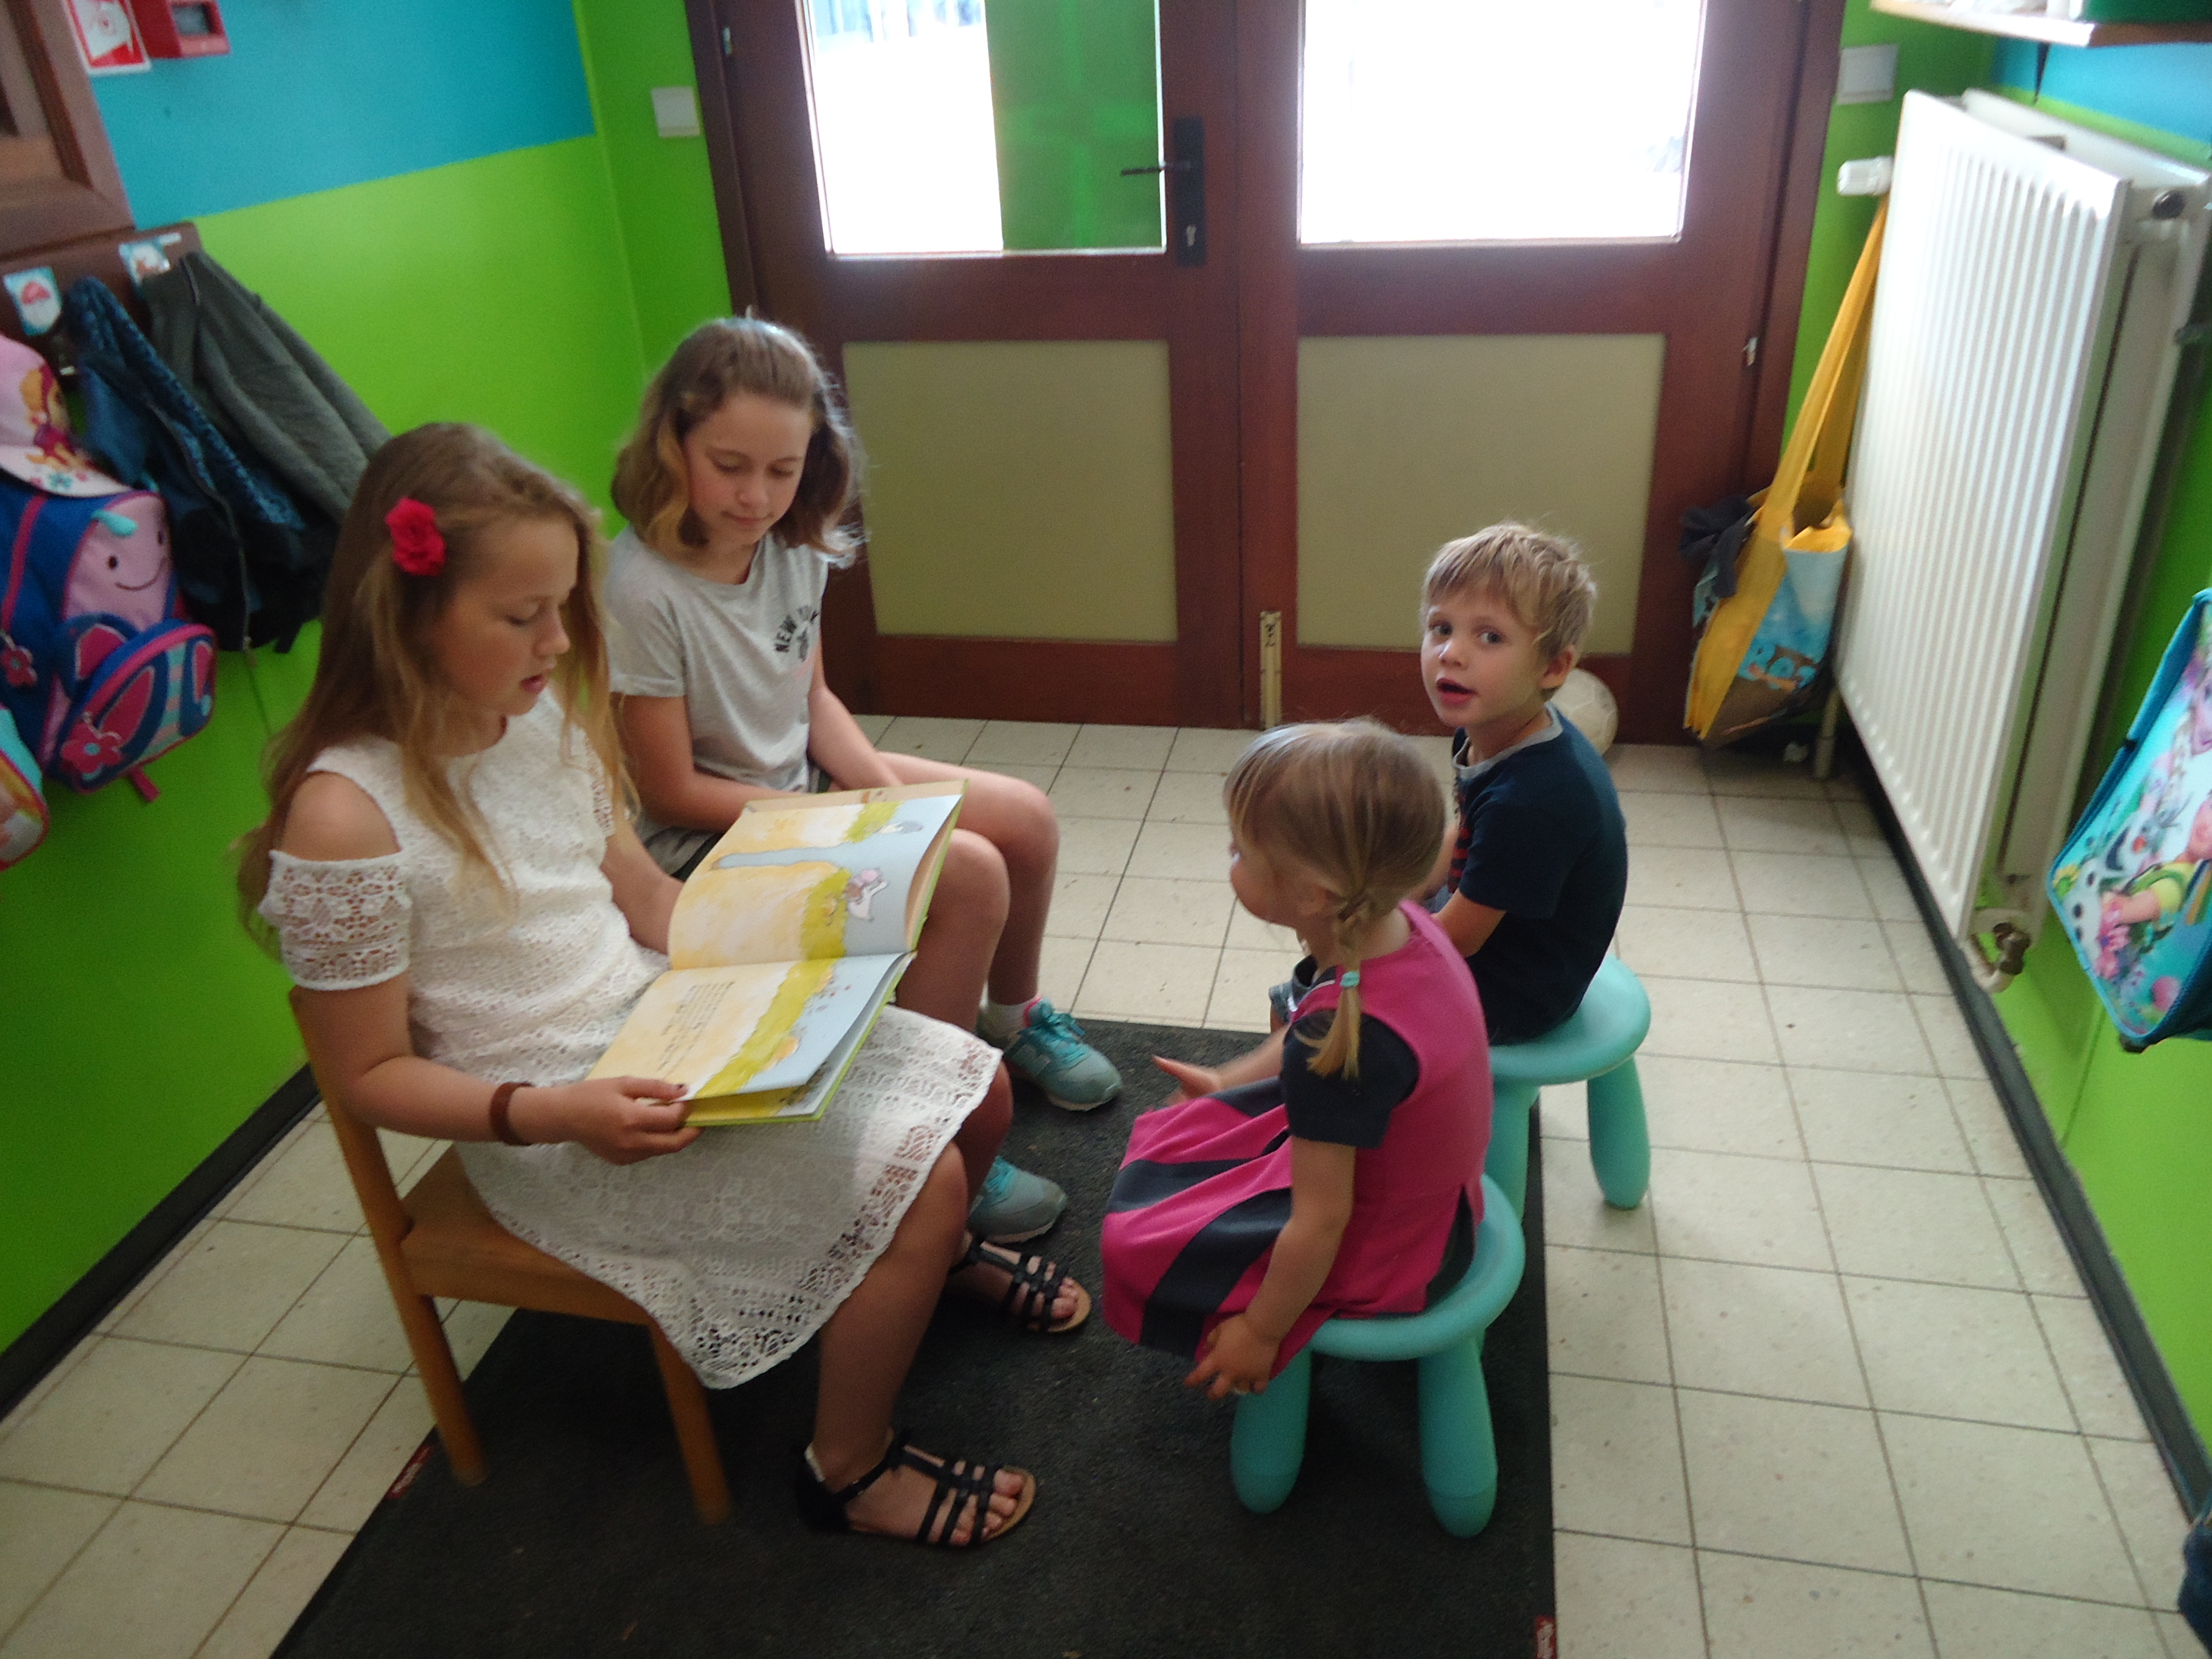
x: 1191, y: 475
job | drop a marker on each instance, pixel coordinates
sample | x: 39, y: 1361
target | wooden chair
x: 439, y: 1240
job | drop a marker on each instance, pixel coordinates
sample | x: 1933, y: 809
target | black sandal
x: 1033, y: 1284
x: 963, y: 1483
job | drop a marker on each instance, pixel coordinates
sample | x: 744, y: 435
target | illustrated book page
x: 784, y: 944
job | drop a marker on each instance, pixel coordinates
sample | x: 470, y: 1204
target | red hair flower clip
x: 416, y: 546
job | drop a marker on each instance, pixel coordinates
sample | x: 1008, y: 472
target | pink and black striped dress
x: 1204, y: 1187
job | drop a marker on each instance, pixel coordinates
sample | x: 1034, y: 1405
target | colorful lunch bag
x: 2134, y: 885
x: 1768, y: 620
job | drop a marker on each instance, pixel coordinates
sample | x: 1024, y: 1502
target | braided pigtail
x: 1338, y: 1051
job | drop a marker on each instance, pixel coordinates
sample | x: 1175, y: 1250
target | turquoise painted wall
x: 313, y: 95
x: 496, y: 252
x: 2137, y: 1129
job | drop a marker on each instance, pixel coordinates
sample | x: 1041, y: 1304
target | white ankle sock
x: 1002, y: 1019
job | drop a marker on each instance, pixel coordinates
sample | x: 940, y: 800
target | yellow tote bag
x: 1763, y: 648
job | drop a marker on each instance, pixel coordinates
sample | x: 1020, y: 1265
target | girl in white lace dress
x: 448, y: 879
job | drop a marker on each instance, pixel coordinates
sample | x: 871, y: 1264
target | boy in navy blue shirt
x: 1531, y: 878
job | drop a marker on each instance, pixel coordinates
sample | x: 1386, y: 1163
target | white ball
x: 1584, y: 700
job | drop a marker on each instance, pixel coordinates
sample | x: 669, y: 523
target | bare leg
x: 867, y: 1347
x: 967, y: 918
x: 985, y: 1131
x: 1017, y: 820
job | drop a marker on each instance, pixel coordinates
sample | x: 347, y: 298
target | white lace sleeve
x: 341, y: 923
x: 603, y: 802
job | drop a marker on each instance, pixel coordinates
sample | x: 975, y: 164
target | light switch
x: 1867, y: 74
x: 676, y: 112
x: 1870, y: 175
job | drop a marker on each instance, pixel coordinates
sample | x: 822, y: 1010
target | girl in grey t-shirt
x: 735, y: 485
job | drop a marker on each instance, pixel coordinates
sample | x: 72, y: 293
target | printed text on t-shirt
x: 797, y: 632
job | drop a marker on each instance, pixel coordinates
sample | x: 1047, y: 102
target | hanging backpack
x: 99, y: 666
x: 2133, y: 884
x: 252, y: 566
x: 1763, y: 652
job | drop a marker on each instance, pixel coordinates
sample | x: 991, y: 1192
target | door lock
x: 1185, y: 168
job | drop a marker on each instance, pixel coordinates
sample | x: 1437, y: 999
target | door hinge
x: 1271, y: 668
x: 1750, y: 351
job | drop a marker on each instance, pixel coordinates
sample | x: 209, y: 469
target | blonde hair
x: 718, y: 361
x: 1354, y: 806
x: 376, y: 675
x: 1541, y: 576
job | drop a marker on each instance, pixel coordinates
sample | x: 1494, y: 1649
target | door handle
x: 1186, y: 171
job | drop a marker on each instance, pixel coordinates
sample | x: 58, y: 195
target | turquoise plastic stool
x: 1459, y: 1458
x: 1598, y: 1042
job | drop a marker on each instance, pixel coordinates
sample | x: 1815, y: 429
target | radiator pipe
x: 2012, y: 943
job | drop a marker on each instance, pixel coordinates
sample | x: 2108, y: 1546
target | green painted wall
x: 494, y: 290
x: 1931, y: 59
x: 2137, y: 1129
x: 666, y: 199
x: 144, y: 1027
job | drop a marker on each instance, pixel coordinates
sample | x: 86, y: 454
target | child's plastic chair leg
x: 1620, y: 1144
x: 1459, y: 1457
x: 1507, y: 1163
x: 1268, y: 1442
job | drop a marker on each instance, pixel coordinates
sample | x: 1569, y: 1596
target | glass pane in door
x: 1496, y: 120
x: 959, y: 126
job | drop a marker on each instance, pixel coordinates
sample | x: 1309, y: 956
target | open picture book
x: 785, y: 944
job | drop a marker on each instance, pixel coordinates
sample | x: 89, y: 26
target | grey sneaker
x: 1014, y: 1205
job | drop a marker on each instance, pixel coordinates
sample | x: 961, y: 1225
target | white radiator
x: 2017, y: 375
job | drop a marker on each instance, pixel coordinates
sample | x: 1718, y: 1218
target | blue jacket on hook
x: 251, y: 565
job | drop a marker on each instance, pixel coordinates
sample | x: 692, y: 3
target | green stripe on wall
x: 495, y: 290
x: 662, y: 187
x: 2134, y: 1126
x: 146, y: 1026
x: 1929, y: 59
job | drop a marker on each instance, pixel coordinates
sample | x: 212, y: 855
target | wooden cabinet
x: 58, y: 177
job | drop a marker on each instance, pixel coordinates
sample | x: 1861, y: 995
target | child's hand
x: 1191, y: 1081
x: 1235, y: 1359
x: 620, y: 1119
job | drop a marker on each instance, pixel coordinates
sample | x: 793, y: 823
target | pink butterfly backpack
x: 98, y: 663
x: 99, y: 666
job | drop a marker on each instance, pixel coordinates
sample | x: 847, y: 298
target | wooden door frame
x: 1275, y: 307
x: 1221, y: 600
x: 772, y: 243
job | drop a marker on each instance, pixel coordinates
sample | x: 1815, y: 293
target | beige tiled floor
x: 1833, y: 1390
